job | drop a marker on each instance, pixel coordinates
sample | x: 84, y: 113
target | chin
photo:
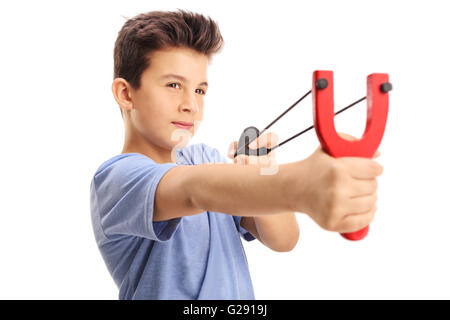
x: 180, y: 138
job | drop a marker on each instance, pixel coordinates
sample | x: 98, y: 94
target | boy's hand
x: 339, y: 194
x: 267, y: 140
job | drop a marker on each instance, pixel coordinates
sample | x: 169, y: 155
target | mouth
x: 183, y: 125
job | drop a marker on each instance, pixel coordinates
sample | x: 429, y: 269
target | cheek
x: 152, y: 110
x: 154, y: 119
x: 144, y: 117
x: 200, y: 105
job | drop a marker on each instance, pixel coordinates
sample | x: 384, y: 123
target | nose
x: 189, y: 104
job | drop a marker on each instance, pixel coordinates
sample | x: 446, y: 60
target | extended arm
x: 221, y: 187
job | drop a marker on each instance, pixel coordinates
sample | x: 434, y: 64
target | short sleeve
x: 242, y: 231
x: 122, y: 198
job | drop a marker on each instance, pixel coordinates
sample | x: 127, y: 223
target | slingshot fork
x: 378, y: 87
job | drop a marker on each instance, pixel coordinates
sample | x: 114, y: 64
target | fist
x: 341, y: 193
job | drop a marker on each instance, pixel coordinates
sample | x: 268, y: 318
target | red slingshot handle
x: 323, y: 112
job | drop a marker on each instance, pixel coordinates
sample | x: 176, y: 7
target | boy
x: 168, y: 220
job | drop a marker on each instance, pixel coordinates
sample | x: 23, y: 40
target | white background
x: 59, y: 122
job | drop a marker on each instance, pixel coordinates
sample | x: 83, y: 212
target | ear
x: 121, y: 90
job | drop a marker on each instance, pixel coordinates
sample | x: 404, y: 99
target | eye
x: 175, y: 83
x: 203, y: 91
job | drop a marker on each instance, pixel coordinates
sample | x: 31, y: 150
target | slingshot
x: 378, y: 86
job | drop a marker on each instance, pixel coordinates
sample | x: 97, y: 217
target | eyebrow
x: 176, y: 76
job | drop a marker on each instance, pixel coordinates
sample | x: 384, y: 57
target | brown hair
x: 155, y: 30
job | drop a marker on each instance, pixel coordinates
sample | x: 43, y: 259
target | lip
x: 182, y: 124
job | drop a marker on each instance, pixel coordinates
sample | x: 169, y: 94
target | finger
x: 254, y: 144
x: 347, y: 136
x: 376, y: 155
x: 230, y: 152
x: 267, y: 140
x: 356, y: 222
x: 241, y: 159
x: 362, y: 168
x: 361, y: 204
x: 363, y: 187
x: 232, y: 149
x: 254, y: 160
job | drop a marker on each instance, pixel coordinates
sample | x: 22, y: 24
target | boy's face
x: 164, y: 98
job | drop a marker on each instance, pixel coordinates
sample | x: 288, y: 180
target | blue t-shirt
x: 191, y: 257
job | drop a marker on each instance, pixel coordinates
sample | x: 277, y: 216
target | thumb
x: 376, y: 155
x: 351, y: 138
x: 347, y: 136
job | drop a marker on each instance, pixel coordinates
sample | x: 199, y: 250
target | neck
x: 135, y: 142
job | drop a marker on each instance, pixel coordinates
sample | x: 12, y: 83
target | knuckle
x: 333, y: 199
x: 273, y: 138
x: 357, y: 225
x: 375, y: 184
x: 375, y: 167
x: 372, y: 213
x: 346, y: 136
x: 336, y: 172
x: 333, y: 219
x: 329, y: 224
x: 351, y: 226
x: 368, y: 220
